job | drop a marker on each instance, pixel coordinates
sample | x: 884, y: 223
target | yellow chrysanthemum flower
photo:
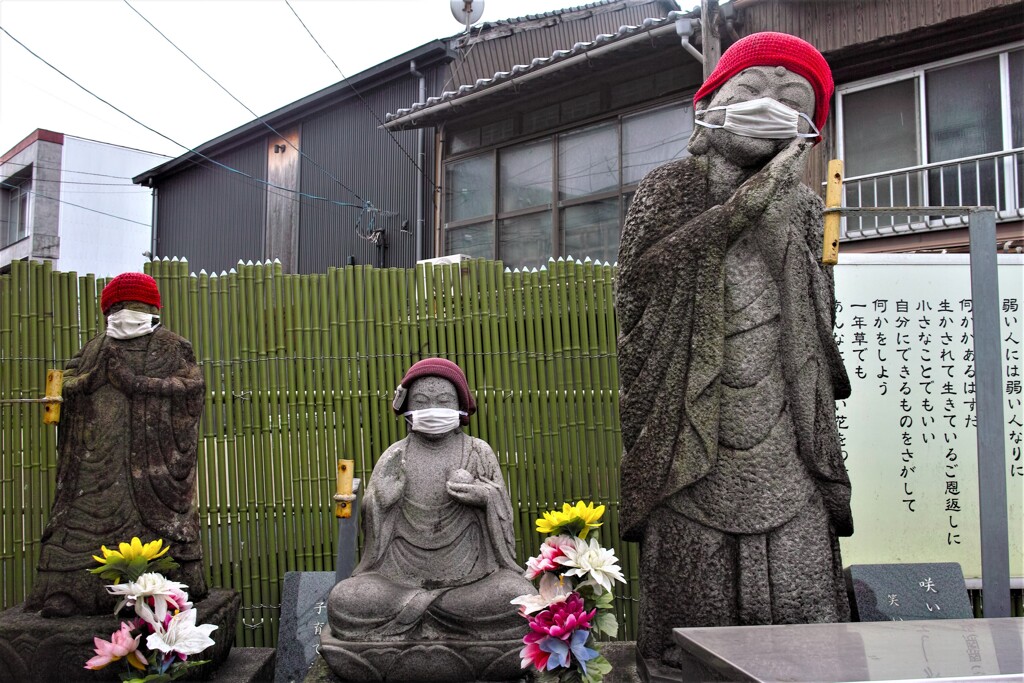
x: 578, y: 519
x: 130, y: 551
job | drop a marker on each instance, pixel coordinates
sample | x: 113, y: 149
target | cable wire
x: 361, y: 99
x: 230, y: 169
x: 79, y: 206
x: 244, y: 106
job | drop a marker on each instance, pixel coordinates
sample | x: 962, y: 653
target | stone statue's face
x: 778, y: 83
x: 432, y: 392
x: 134, y: 306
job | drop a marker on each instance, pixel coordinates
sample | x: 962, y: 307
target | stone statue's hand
x: 474, y: 494
x: 770, y: 184
x: 120, y: 376
x: 389, y: 482
x: 837, y: 504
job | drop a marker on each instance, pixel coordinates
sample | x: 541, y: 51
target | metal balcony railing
x: 995, y: 179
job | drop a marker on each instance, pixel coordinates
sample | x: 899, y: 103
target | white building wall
x: 104, y: 218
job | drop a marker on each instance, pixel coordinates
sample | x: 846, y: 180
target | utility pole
x: 711, y: 45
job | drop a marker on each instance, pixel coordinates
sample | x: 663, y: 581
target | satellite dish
x: 467, y: 12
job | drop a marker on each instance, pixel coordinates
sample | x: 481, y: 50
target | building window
x: 15, y: 204
x: 948, y: 134
x: 560, y: 195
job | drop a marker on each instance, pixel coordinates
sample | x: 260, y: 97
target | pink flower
x: 121, y: 645
x: 178, y: 599
x: 561, y: 619
x: 550, y: 550
x: 532, y: 655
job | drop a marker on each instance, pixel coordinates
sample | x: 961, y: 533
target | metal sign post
x: 995, y: 550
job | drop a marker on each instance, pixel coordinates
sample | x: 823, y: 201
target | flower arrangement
x: 163, y: 614
x: 574, y: 579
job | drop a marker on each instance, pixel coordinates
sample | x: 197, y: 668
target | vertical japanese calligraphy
x: 908, y: 432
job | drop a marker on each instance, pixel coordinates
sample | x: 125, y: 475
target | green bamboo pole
x: 198, y: 290
x: 534, y: 340
x: 240, y: 532
x: 214, y: 471
x: 550, y: 395
x: 471, y: 283
x: 369, y: 427
x: 590, y: 380
x: 558, y: 321
x: 292, y: 371
x: 579, y: 391
x: 280, y: 388
x: 380, y: 383
x: 308, y: 430
x: 29, y: 457
x: 459, y: 335
x: 48, y: 455
x: 324, y: 465
x: 12, y: 556
x: 395, y: 360
x: 353, y: 402
x: 268, y: 529
x: 514, y: 417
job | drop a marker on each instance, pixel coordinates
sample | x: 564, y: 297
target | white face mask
x: 433, y: 420
x: 760, y: 118
x: 128, y: 324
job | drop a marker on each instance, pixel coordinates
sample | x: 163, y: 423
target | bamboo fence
x: 300, y: 371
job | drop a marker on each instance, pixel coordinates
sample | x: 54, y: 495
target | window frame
x: 623, y: 192
x: 16, y: 188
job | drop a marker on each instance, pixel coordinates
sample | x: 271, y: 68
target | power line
x: 361, y: 99
x: 79, y: 206
x: 230, y: 169
x: 244, y: 106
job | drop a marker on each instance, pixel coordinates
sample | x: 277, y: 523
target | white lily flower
x: 182, y: 636
x: 149, y: 585
x: 552, y: 589
x: 589, y: 560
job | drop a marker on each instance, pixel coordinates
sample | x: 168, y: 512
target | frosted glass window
x: 469, y: 188
x: 591, y: 230
x: 588, y: 161
x: 525, y: 176
x: 880, y: 128
x: 654, y: 138
x: 1017, y: 97
x: 963, y: 110
x: 473, y: 240
x: 525, y: 241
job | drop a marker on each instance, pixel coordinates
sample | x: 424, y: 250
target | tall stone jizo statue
x: 430, y: 598
x: 126, y: 453
x: 732, y: 479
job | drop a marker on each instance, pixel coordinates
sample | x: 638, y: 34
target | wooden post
x: 833, y: 200
x: 51, y: 410
x: 710, y: 44
x: 343, y: 509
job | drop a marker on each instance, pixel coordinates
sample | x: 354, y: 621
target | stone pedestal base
x: 449, y: 661
x: 46, y: 650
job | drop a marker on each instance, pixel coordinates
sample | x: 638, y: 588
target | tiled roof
x: 539, y: 63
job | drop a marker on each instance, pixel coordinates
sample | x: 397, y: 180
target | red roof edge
x: 36, y: 135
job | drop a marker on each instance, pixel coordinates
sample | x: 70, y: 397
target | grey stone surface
x: 950, y: 650
x: 907, y: 592
x: 429, y: 600
x: 246, y: 665
x: 126, y: 467
x: 37, y: 649
x: 303, y: 616
x: 732, y: 480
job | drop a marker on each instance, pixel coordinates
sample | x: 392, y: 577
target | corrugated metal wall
x: 834, y: 25
x: 509, y: 45
x: 214, y: 217
x: 348, y: 142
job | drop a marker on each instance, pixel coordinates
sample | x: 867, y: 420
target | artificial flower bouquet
x: 163, y: 614
x: 574, y: 603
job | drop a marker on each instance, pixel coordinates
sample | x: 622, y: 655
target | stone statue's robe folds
x: 726, y: 322
x: 127, y: 467
x: 433, y: 568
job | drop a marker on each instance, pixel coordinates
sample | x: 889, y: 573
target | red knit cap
x: 775, y: 49
x: 130, y: 287
x: 445, y: 369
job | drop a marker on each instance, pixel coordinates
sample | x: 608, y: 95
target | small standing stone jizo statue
x: 126, y: 444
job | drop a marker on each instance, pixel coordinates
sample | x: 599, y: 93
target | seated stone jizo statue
x: 126, y: 445
x: 438, y: 568
x: 733, y: 479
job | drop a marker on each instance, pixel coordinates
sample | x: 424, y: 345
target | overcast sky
x: 256, y: 48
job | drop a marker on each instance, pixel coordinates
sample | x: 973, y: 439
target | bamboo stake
x: 213, y: 470
x: 301, y: 403
x: 13, y: 588
x: 833, y: 200
x: 343, y: 487
x: 323, y: 462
